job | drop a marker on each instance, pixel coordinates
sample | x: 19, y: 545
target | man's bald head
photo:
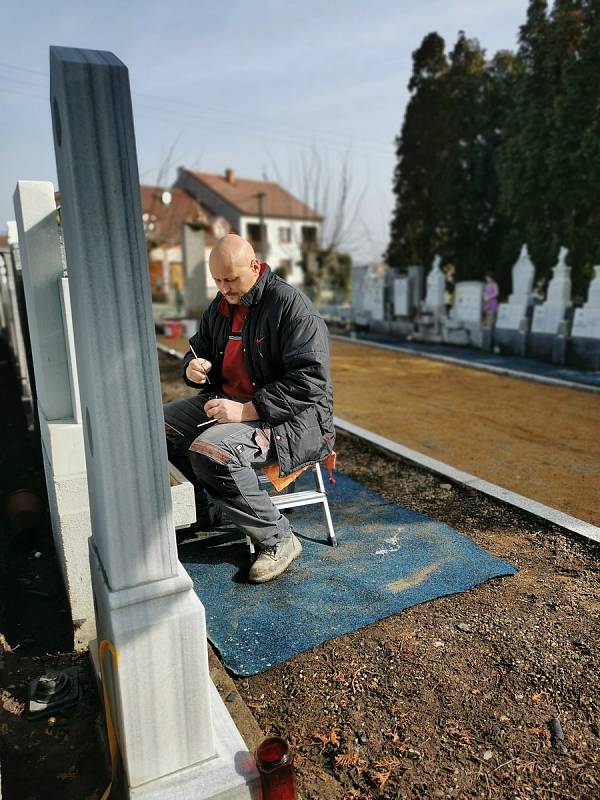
x: 232, y: 250
x: 234, y: 267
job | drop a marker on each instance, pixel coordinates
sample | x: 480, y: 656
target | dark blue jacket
x: 286, y: 354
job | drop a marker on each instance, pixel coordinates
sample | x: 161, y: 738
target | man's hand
x: 230, y: 411
x: 196, y: 370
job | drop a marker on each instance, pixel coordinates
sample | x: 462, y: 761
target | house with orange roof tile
x: 169, y: 216
x: 280, y: 227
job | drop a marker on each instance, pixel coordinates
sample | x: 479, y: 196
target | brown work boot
x: 272, y: 561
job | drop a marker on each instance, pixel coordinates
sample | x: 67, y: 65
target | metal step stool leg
x: 321, y: 488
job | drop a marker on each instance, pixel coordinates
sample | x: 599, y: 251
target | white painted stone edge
x: 513, y: 373
x: 566, y: 521
x: 579, y: 526
x: 169, y: 351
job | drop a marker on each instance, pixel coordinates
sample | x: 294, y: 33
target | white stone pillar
x: 3, y: 284
x: 196, y: 271
x: 434, y: 298
x: 17, y: 341
x: 512, y: 315
x: 586, y: 323
x: 48, y: 312
x: 549, y: 317
x: 172, y: 742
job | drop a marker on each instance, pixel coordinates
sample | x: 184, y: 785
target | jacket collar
x: 253, y: 297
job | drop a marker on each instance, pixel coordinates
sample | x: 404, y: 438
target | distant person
x: 261, y: 362
x: 179, y: 300
x: 491, y: 295
x: 539, y: 291
x: 449, y: 276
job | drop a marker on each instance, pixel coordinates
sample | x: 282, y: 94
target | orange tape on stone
x: 113, y: 744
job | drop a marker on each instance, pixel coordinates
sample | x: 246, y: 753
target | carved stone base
x: 160, y: 693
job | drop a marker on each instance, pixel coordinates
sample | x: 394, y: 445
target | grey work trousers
x: 222, y: 457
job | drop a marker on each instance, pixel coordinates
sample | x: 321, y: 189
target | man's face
x: 235, y: 280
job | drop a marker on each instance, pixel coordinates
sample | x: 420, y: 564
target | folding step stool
x: 291, y: 499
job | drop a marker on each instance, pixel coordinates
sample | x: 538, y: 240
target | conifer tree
x: 420, y: 178
x: 574, y: 153
x: 524, y: 162
x: 479, y: 94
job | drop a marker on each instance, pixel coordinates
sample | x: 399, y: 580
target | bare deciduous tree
x: 329, y: 189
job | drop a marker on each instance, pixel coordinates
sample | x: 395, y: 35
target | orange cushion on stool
x: 272, y: 473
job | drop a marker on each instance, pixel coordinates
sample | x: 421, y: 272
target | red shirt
x: 236, y: 381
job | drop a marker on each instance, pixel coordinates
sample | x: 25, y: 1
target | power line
x: 261, y: 119
x: 25, y: 83
x: 23, y: 69
x: 265, y: 133
x: 157, y: 115
x: 206, y: 110
x: 23, y: 94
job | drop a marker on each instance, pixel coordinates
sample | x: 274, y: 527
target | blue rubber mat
x: 388, y: 559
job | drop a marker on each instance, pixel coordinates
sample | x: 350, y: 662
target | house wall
x: 277, y: 251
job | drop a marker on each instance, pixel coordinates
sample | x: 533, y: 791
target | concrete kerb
x: 512, y: 373
x: 553, y: 515
x: 169, y: 351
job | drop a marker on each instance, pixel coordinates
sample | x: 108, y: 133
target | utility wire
x: 205, y: 126
x: 364, y: 144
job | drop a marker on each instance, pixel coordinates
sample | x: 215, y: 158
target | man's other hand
x: 196, y: 370
x: 229, y: 410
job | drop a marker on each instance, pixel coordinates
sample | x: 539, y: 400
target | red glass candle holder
x: 274, y: 761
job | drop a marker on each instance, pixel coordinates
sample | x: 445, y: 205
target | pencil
x: 195, y: 356
x: 201, y: 424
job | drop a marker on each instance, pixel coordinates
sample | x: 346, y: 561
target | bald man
x: 260, y: 361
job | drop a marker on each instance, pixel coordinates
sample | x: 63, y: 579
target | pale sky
x: 254, y: 86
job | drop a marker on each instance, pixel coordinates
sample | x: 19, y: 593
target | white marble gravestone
x: 586, y: 323
x: 549, y: 317
x: 59, y: 412
x: 175, y: 736
x: 368, y: 290
x: 464, y: 324
x: 3, y: 294
x: 15, y: 318
x: 402, y: 297
x: 431, y: 313
x: 416, y: 276
x: 436, y: 282
x: 5, y: 312
x: 48, y: 305
x: 374, y: 292
x: 358, y: 278
x: 468, y: 302
x: 512, y: 315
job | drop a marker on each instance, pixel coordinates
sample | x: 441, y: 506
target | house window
x: 309, y: 237
x: 253, y: 234
x: 285, y: 235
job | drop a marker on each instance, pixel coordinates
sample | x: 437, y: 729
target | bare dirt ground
x: 456, y: 697
x: 453, y: 698
x: 539, y: 441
